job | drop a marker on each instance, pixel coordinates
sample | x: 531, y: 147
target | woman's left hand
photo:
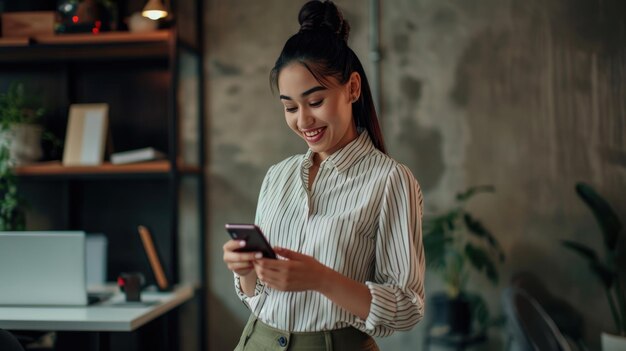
x: 297, y: 272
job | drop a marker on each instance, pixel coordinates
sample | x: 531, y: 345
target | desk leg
x: 158, y: 335
x: 81, y: 341
x: 104, y: 341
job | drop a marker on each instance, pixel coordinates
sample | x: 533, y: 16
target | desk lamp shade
x: 154, y: 10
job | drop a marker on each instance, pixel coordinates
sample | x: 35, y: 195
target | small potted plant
x: 456, y: 244
x: 19, y: 128
x: 606, y: 267
x: 20, y: 138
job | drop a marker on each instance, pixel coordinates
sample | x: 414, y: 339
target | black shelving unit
x: 149, y: 81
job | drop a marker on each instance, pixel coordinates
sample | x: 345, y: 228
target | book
x: 138, y: 155
x: 153, y: 258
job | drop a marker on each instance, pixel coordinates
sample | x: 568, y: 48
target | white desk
x: 109, y: 316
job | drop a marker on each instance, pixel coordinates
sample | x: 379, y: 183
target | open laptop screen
x: 42, y: 268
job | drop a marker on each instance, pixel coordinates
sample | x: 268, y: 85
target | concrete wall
x: 529, y: 96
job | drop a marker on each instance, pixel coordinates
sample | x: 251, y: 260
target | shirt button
x: 282, y: 341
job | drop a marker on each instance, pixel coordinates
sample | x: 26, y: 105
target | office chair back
x: 529, y: 326
x: 8, y: 342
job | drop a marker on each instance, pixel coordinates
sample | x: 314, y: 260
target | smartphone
x: 254, y: 238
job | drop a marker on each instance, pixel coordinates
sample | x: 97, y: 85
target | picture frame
x: 86, y: 136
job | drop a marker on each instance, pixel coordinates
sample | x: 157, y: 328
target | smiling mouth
x: 314, y: 135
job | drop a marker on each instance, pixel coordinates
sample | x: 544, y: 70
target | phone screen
x: 253, y: 236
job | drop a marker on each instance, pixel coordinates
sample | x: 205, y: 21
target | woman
x: 344, y: 217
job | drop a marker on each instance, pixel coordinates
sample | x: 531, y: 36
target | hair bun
x: 316, y: 15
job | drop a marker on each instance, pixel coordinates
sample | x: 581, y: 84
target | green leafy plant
x: 14, y: 109
x: 457, y: 243
x: 11, y: 212
x: 605, y: 268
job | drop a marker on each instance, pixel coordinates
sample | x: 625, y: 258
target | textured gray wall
x: 529, y: 96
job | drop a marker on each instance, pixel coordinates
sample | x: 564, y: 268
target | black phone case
x: 254, y: 238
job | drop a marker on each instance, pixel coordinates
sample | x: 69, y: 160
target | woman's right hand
x: 241, y: 263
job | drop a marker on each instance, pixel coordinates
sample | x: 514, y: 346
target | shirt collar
x: 345, y: 157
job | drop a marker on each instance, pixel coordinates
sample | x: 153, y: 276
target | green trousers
x: 258, y: 336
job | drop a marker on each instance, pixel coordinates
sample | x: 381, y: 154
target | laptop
x: 43, y: 268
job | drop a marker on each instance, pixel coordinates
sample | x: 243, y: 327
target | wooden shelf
x: 104, y: 37
x: 56, y: 168
x: 14, y: 41
x: 88, y: 47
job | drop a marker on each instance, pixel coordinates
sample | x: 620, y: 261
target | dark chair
x: 530, y: 328
x: 569, y: 320
x: 8, y: 342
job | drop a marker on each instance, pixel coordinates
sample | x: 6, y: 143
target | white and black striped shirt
x: 362, y: 218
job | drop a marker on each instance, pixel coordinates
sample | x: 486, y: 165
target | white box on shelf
x: 139, y: 155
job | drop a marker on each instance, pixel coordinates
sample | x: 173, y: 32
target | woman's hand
x: 241, y: 263
x: 297, y: 272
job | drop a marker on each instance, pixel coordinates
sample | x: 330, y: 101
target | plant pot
x: 612, y: 342
x: 451, y: 315
x: 24, y: 141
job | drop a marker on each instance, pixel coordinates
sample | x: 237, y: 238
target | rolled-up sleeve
x: 398, y: 287
x: 252, y: 302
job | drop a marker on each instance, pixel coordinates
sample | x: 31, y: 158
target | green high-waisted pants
x: 258, y: 336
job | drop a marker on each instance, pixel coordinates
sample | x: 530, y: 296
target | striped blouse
x: 362, y: 218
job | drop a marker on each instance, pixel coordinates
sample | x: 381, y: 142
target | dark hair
x: 321, y: 46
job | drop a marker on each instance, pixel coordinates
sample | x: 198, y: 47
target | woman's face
x: 322, y: 116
